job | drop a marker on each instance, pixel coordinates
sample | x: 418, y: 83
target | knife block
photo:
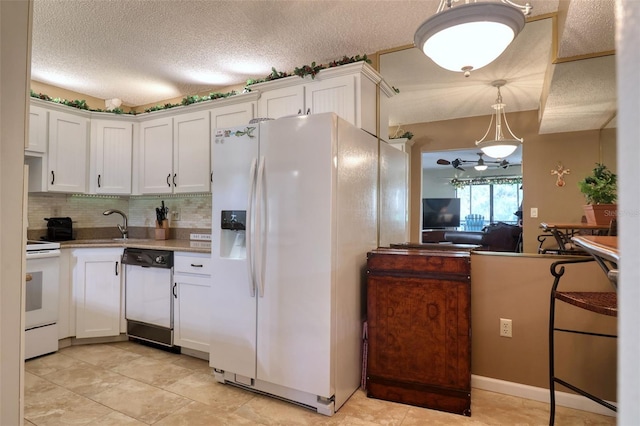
x: 162, y: 230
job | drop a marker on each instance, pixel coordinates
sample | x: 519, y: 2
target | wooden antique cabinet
x: 419, y: 328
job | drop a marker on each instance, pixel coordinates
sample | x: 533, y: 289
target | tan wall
x: 500, y: 289
x: 577, y: 151
x: 57, y: 92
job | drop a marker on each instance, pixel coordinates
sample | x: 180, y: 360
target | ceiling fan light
x: 498, y: 149
x: 480, y: 167
x: 469, y: 36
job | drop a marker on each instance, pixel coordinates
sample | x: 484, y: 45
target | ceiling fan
x: 480, y: 163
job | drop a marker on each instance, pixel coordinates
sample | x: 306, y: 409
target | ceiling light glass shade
x: 500, y: 147
x: 481, y: 167
x: 470, y: 36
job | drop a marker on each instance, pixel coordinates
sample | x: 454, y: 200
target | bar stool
x: 604, y: 303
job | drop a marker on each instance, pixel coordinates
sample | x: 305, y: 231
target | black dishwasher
x: 149, y: 295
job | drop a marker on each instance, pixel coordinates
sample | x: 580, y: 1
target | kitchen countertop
x: 172, y: 245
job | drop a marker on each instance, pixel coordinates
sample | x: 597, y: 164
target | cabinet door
x: 111, y: 143
x: 191, y: 145
x: 333, y: 95
x: 66, y: 312
x: 232, y: 115
x: 156, y: 156
x: 191, y: 312
x: 97, y: 293
x: 282, y: 102
x: 68, y: 148
x: 37, y: 129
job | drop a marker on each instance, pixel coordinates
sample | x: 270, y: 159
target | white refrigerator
x: 294, y: 213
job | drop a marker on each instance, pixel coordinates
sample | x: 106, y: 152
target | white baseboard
x: 563, y: 399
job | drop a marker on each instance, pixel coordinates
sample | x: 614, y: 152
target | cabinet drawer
x: 419, y: 262
x: 192, y: 263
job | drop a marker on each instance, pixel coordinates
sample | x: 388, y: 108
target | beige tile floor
x: 127, y: 383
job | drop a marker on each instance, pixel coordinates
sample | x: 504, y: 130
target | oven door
x: 41, y: 292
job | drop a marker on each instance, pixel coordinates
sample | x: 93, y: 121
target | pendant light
x: 499, y: 147
x: 470, y: 36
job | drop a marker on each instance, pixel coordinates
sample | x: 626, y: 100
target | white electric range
x: 41, y: 298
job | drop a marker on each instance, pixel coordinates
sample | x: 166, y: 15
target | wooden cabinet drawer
x: 192, y: 263
x: 420, y: 262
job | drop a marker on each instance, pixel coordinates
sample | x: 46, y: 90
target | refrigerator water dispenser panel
x: 234, y: 220
x: 232, y: 237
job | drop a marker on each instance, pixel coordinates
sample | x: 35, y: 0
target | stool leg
x: 552, y: 393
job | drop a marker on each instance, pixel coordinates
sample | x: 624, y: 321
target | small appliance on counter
x: 59, y: 229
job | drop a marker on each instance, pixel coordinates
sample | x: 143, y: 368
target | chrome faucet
x: 123, y: 228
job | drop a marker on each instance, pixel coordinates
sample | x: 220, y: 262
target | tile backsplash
x: 194, y: 210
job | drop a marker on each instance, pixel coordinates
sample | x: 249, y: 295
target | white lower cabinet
x: 192, y: 282
x: 66, y: 315
x: 97, y: 277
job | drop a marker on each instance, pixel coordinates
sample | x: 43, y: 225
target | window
x: 497, y: 202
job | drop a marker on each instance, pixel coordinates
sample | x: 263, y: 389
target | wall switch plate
x: 175, y: 215
x: 200, y: 237
x: 534, y: 212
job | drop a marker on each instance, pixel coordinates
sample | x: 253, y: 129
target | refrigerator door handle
x: 249, y: 228
x: 259, y: 232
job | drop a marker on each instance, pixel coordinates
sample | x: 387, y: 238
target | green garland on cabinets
x: 496, y: 180
x: 302, y: 71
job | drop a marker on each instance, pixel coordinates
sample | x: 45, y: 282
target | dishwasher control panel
x: 148, y: 258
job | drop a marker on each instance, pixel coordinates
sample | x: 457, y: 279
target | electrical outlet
x: 200, y: 237
x: 506, y: 329
x: 175, y: 215
x: 534, y: 212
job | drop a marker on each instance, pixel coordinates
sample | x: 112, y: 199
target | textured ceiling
x: 147, y: 51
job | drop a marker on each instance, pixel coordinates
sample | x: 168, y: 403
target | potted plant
x: 600, y: 191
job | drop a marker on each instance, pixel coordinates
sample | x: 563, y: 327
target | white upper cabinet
x: 111, y: 151
x: 191, y: 144
x: 38, y: 131
x: 334, y: 95
x: 282, y: 102
x: 348, y: 90
x: 67, y: 154
x: 156, y: 156
x: 174, y: 154
x: 232, y: 115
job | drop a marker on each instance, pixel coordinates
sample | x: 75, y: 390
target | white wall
x: 15, y: 27
x: 628, y: 63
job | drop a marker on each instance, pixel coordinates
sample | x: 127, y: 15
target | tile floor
x: 126, y: 383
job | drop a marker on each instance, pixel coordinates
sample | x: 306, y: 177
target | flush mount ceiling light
x: 499, y: 147
x: 470, y: 36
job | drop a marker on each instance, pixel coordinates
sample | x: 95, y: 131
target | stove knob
x: 160, y: 260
